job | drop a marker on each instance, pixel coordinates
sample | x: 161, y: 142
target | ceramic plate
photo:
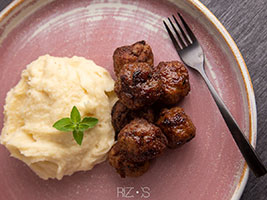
x: 208, y: 168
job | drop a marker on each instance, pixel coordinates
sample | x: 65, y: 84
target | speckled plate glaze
x: 208, y: 168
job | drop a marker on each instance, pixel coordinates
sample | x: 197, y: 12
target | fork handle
x: 248, y: 152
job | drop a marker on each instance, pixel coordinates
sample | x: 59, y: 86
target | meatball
x: 118, y: 159
x: 141, y: 140
x: 121, y: 115
x: 175, y: 81
x: 138, y: 85
x: 137, y: 52
x: 177, y: 126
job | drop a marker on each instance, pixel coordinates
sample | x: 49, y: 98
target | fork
x: 192, y: 55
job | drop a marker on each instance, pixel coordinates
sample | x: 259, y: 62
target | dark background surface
x: 246, y: 21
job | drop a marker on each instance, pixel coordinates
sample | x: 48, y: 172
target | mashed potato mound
x: 47, y: 91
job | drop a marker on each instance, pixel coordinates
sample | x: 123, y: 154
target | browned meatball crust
x: 141, y: 140
x: 118, y: 159
x: 121, y: 115
x: 138, y: 85
x: 175, y: 81
x: 177, y: 126
x: 137, y: 52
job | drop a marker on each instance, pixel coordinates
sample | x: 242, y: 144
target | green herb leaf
x: 82, y: 127
x: 70, y: 127
x: 89, y: 121
x: 78, y: 136
x: 75, y: 124
x: 64, y: 124
x: 75, y: 115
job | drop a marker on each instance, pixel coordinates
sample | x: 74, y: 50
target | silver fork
x: 192, y: 55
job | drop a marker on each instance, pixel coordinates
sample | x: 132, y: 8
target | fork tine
x: 178, y: 35
x: 188, y: 30
x: 182, y: 31
x: 175, y: 43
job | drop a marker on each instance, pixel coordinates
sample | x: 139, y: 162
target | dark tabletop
x: 246, y: 21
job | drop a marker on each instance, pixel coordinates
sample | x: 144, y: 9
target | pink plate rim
x: 239, y: 60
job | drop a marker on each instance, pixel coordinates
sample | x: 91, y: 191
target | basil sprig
x: 75, y: 124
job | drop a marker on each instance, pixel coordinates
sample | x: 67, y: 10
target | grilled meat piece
x: 138, y: 85
x: 121, y: 115
x: 141, y: 140
x: 118, y: 159
x: 137, y: 52
x: 177, y: 126
x: 175, y: 81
